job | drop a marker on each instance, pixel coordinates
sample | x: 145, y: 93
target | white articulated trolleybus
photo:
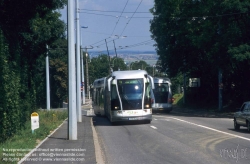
x: 162, y: 95
x: 124, y: 96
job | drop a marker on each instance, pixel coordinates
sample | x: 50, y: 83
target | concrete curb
x: 98, y: 152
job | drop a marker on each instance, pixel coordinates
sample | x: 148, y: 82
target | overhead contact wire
x: 119, y: 17
x: 131, y: 18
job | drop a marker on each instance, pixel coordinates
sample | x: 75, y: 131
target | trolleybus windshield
x: 161, y: 92
x: 131, y: 91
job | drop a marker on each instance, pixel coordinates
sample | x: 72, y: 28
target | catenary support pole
x: 78, y: 68
x: 83, y: 85
x: 82, y: 66
x: 87, y: 73
x: 72, y: 121
x: 47, y: 79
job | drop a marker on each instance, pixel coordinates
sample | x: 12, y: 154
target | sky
x: 124, y: 21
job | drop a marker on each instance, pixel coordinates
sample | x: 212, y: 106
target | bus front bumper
x: 122, y: 117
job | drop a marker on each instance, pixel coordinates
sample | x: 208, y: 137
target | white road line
x: 153, y: 127
x: 237, y: 136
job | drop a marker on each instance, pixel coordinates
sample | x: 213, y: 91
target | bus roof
x: 129, y: 74
x: 161, y: 80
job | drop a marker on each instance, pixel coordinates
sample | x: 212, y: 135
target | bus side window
x: 113, y: 92
x: 95, y: 94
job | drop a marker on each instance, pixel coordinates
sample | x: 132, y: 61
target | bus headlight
x: 116, y: 107
x: 147, y: 106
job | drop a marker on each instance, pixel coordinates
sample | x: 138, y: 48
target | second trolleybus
x: 162, y: 95
x: 124, y: 96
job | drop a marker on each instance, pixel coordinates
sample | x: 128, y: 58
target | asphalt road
x: 173, y: 139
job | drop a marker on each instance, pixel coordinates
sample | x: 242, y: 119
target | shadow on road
x: 59, y: 138
x: 104, y: 121
x: 177, y: 111
x: 243, y: 130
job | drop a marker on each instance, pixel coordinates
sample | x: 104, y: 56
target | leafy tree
x: 138, y: 65
x: 10, y: 113
x: 25, y: 29
x: 194, y: 37
x: 59, y: 72
x: 118, y: 64
x: 99, y: 67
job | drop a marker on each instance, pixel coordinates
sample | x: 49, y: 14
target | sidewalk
x: 58, y: 149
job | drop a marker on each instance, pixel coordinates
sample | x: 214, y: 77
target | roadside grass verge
x: 178, y: 98
x: 16, y: 147
x: 202, y: 106
x: 178, y: 102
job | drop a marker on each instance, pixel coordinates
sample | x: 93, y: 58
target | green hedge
x: 13, y: 108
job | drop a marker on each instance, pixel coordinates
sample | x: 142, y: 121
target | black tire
x: 236, y: 125
x: 147, y: 121
x: 248, y: 126
x: 114, y: 123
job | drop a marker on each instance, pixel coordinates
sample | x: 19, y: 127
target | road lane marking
x: 153, y: 127
x: 237, y: 136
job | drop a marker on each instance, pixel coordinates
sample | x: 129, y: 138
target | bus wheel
x: 147, y: 121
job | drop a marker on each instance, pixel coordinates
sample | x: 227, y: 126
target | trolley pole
x: 108, y: 56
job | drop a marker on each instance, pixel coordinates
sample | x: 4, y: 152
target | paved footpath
x: 58, y: 149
